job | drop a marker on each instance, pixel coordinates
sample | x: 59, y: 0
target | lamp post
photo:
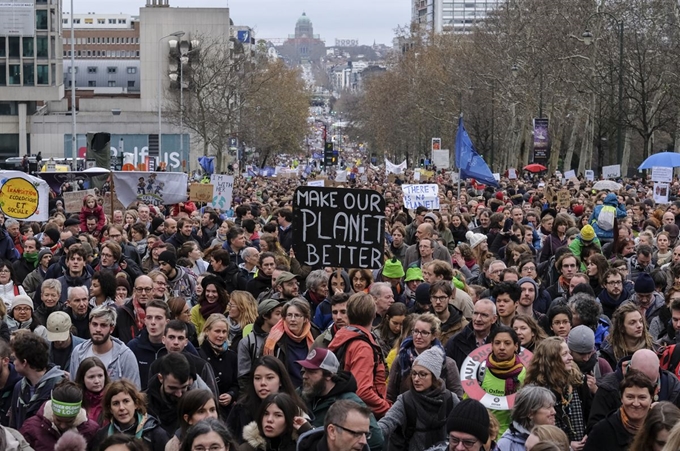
x: 177, y: 34
x: 74, y: 143
x: 588, y: 39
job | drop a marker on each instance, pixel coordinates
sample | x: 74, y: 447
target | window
x: 112, y: 21
x: 89, y: 53
x: 131, y: 70
x: 69, y: 70
x: 101, y: 21
x: 14, y: 47
x: 41, y: 46
x: 137, y: 53
x: 92, y: 84
x: 89, y: 21
x: 111, y: 70
x: 91, y: 70
x: 3, y: 75
x: 29, y: 74
x: 3, y: 53
x: 43, y: 74
x: 108, y: 40
x: 41, y: 19
x: 64, y: 21
x: 122, y: 20
x: 117, y: 40
x: 14, y: 74
x: 88, y: 40
x: 76, y: 20
x: 131, y: 83
x: 137, y: 42
x: 112, y: 83
x: 28, y: 48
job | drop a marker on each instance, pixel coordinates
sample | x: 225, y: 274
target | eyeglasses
x: 294, y: 316
x: 614, y: 282
x: 4, y: 271
x: 211, y: 448
x: 455, y: 441
x: 22, y: 308
x: 560, y: 323
x: 106, y: 255
x: 419, y: 374
x: 422, y: 333
x: 147, y: 289
x: 356, y: 434
x: 439, y: 298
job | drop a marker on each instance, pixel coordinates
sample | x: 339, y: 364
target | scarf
x: 315, y: 298
x: 470, y: 263
x: 632, y: 428
x: 208, y: 309
x: 281, y: 328
x: 140, y: 314
x: 141, y: 420
x: 215, y: 348
x: 564, y: 284
x: 234, y: 329
x: 408, y: 353
x: 508, y: 370
x: 32, y: 258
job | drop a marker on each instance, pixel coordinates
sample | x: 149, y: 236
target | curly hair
x: 546, y: 368
x: 617, y: 335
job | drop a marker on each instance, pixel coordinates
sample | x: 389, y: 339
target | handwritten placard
x: 563, y: 198
x: 73, y: 200
x: 611, y: 172
x: 590, y: 175
x: 223, y: 189
x: 201, y: 192
x: 662, y: 174
x: 426, y: 195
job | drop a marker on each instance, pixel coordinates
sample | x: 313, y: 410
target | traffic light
x: 329, y: 157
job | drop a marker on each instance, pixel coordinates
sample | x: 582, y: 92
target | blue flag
x: 208, y: 164
x: 468, y: 161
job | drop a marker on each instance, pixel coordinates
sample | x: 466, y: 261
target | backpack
x: 669, y: 358
x: 361, y: 335
x: 401, y: 437
x: 605, y: 219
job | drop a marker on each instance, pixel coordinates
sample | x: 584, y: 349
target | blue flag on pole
x: 468, y: 161
x: 208, y: 164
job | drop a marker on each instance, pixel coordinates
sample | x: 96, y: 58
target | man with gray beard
x: 323, y: 383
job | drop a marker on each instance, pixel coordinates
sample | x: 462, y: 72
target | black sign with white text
x: 338, y: 227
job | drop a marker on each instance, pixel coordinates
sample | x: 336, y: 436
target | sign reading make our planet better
x: 338, y: 227
x: 23, y: 197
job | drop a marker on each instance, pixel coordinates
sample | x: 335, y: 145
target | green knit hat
x: 414, y: 274
x: 393, y: 269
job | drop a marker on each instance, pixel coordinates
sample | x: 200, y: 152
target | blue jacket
x: 146, y: 353
x: 621, y: 213
x: 7, y: 249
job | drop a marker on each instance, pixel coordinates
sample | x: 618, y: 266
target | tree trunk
x: 572, y: 141
x: 626, y: 151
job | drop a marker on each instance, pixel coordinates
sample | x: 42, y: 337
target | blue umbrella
x: 662, y: 159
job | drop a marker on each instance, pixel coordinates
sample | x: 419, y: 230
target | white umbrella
x: 608, y: 185
x: 96, y: 170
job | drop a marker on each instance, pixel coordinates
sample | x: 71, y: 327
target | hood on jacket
x: 611, y: 200
x: 53, y: 373
x: 345, y: 278
x: 346, y: 383
x: 345, y: 334
x: 85, y: 348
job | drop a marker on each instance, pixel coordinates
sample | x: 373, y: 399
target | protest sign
x: 108, y: 208
x: 590, y: 175
x: 426, y: 195
x: 611, y: 172
x: 200, y: 192
x: 416, y: 175
x: 316, y: 183
x: 440, y: 158
x: 563, y: 198
x: 662, y: 174
x: 223, y: 188
x: 512, y: 174
x: 661, y: 193
x: 497, y: 176
x: 23, y: 196
x: 338, y: 227
x: 152, y: 188
x: 570, y: 174
x: 73, y: 200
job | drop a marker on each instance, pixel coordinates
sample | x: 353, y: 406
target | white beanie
x: 432, y: 359
x: 475, y: 238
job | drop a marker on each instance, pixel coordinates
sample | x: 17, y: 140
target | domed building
x: 304, y: 46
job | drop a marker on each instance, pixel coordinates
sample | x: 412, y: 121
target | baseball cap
x: 285, y: 276
x: 58, y: 326
x: 267, y: 306
x: 321, y: 359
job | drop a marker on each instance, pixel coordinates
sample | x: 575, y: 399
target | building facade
x: 304, y: 46
x: 102, y: 36
x: 446, y: 16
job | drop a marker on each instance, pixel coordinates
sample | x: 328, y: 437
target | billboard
x: 17, y: 18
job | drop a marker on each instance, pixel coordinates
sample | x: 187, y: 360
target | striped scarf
x: 508, y: 370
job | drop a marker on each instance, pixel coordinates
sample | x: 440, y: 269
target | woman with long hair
x: 9, y: 285
x: 160, y: 285
x: 458, y: 227
x: 553, y: 367
x: 277, y: 426
x: 406, y: 331
x: 131, y: 217
x: 656, y: 428
x: 596, y: 266
x: 398, y: 246
x: 389, y: 329
x: 242, y: 313
x: 224, y: 362
x: 291, y: 338
x: 137, y: 235
x: 269, y: 376
x: 557, y: 237
x: 424, y: 408
x: 529, y: 332
x: 191, y: 251
x: 534, y: 406
x: 463, y: 259
x: 618, y: 429
x: 628, y: 333
x: 546, y: 433
x: 93, y: 379
x: 207, y: 434
x: 663, y: 253
x: 214, y: 299
x: 124, y: 408
x: 193, y: 406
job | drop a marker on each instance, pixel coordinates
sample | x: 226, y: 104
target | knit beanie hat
x: 44, y: 251
x: 168, y: 257
x: 470, y: 417
x: 587, y: 233
x: 524, y: 280
x: 413, y: 274
x: 53, y: 234
x: 156, y: 222
x: 644, y: 284
x: 21, y: 299
x: 423, y: 294
x: 475, y: 238
x: 432, y: 359
x: 393, y: 269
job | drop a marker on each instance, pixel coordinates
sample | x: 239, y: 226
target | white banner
x: 611, y: 172
x: 320, y: 183
x: 661, y: 193
x: 590, y: 175
x: 662, y: 174
x: 440, y: 158
x: 223, y: 189
x: 391, y: 168
x: 155, y: 188
x: 23, y: 196
x: 426, y: 195
x: 570, y: 174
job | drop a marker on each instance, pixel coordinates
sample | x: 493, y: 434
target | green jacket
x: 495, y: 386
x: 576, y: 247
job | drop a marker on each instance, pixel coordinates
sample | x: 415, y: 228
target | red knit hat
x: 499, y: 195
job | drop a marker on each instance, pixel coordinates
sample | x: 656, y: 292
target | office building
x: 446, y: 16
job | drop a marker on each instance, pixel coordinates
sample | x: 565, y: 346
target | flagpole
x: 454, y: 162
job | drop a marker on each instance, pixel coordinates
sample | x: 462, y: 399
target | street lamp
x: 588, y: 39
x: 177, y: 34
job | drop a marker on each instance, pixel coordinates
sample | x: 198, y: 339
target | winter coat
x: 26, y: 402
x: 225, y: 368
x: 14, y: 440
x: 609, y: 434
x: 621, y: 213
x: 203, y: 368
x: 32, y: 324
x: 513, y: 439
x: 345, y: 388
x: 359, y: 359
x: 255, y: 442
x: 6, y: 394
x: 69, y: 281
x: 286, y: 238
x: 75, y: 341
x: 238, y: 418
x: 152, y: 434
x: 551, y: 243
x: 183, y: 284
x: 41, y: 433
x: 609, y: 304
x: 97, y: 212
x: 607, y: 398
x: 453, y: 325
x: 146, y: 353
x: 399, y: 252
x: 7, y: 249
x: 42, y: 312
x: 8, y: 291
x: 33, y: 281
x: 412, y: 254
x: 462, y: 344
x: 126, y: 325
x: 430, y: 418
x: 22, y: 268
x: 122, y: 366
x: 259, y: 284
x: 249, y: 349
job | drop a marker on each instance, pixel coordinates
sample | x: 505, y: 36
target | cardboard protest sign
x: 73, y: 200
x: 200, y: 192
x: 563, y: 198
x: 316, y: 183
x: 422, y: 194
x: 338, y: 227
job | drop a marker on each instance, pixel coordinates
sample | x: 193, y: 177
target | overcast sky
x: 365, y: 20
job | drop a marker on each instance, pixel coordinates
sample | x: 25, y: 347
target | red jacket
x: 97, y: 212
x: 187, y: 207
x: 42, y: 435
x: 360, y: 361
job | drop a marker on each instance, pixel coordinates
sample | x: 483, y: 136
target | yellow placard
x: 19, y: 198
